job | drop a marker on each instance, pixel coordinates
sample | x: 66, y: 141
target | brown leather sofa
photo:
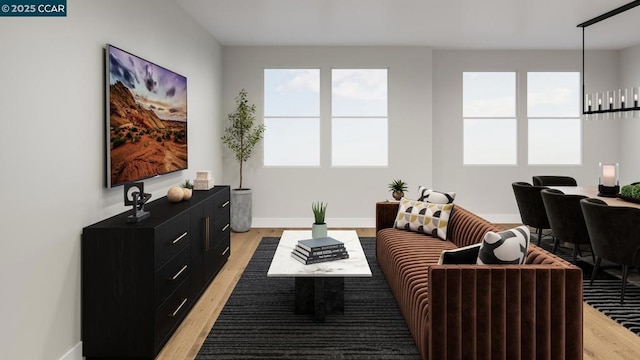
x: 531, y: 311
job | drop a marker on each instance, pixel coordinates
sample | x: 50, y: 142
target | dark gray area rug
x: 604, y: 294
x: 258, y: 321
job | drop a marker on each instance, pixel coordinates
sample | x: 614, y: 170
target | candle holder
x: 608, y: 183
x: 600, y: 96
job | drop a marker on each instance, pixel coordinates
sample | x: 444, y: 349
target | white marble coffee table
x: 319, y: 287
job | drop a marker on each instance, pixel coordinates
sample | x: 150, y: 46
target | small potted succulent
x: 398, y: 187
x: 187, y: 189
x: 319, y: 227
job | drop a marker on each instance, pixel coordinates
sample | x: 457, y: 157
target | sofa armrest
x: 386, y: 212
x: 512, y: 312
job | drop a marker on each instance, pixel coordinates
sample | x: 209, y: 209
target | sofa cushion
x: 466, y: 255
x: 423, y: 217
x: 436, y: 197
x: 505, y: 247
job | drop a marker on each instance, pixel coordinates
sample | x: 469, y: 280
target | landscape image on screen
x: 147, y: 118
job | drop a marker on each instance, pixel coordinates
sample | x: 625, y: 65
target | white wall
x: 487, y: 190
x: 53, y: 167
x: 283, y: 196
x: 629, y: 76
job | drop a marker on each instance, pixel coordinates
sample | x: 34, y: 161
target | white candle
x: 635, y: 97
x: 608, y: 175
x: 622, y: 98
x: 610, y: 100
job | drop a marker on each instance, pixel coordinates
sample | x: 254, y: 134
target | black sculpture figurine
x: 134, y: 195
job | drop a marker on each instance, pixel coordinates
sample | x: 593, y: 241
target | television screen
x: 146, y: 118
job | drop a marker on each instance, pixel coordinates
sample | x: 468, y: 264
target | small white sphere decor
x: 175, y: 194
x: 186, y: 193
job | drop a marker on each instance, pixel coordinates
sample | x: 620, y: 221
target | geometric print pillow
x: 423, y: 217
x: 505, y: 247
x: 436, y: 197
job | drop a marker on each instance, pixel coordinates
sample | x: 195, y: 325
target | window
x: 554, y: 126
x: 489, y: 118
x: 359, y: 117
x: 292, y: 117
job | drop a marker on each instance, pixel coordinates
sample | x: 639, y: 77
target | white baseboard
x: 74, y: 354
x: 306, y: 222
x: 502, y: 218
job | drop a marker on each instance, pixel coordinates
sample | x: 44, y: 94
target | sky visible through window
x: 554, y: 126
x: 292, y: 117
x: 489, y: 111
x: 490, y: 102
x: 359, y: 117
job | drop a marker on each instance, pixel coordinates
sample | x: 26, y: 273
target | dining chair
x: 615, y: 235
x: 566, y: 219
x: 554, y: 180
x: 531, y: 207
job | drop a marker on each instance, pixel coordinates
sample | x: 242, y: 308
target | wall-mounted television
x: 146, y: 118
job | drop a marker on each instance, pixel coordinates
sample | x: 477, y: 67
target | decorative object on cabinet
x: 140, y: 280
x: 241, y: 137
x: 135, y: 196
x: 187, y: 190
x: 319, y: 226
x: 175, y: 194
x: 203, y: 180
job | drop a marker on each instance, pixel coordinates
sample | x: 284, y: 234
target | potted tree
x: 241, y: 136
x: 319, y: 227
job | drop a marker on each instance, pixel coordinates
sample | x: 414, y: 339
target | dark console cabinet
x: 140, y: 280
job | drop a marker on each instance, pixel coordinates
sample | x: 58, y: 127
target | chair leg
x: 625, y: 269
x: 575, y: 252
x: 539, y: 231
x: 595, y: 269
x: 555, y: 244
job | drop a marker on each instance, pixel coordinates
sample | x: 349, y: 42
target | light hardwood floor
x: 603, y: 338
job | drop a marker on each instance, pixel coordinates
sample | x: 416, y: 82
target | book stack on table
x: 312, y: 251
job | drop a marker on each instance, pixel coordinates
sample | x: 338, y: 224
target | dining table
x: 592, y: 192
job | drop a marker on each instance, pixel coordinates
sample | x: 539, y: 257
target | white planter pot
x: 241, y: 210
x: 318, y: 230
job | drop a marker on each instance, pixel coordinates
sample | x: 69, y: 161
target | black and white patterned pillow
x: 423, y: 217
x: 435, y: 197
x: 466, y: 255
x: 505, y: 247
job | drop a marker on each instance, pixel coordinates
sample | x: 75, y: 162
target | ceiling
x: 452, y: 24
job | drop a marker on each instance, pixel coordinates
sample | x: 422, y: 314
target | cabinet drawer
x: 221, y: 204
x: 172, y: 274
x: 171, y: 237
x: 220, y: 230
x: 169, y: 314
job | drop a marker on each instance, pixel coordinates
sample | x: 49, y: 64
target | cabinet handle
x: 225, y: 204
x: 206, y: 234
x: 179, y: 238
x: 225, y: 251
x: 225, y: 228
x: 179, y: 307
x: 179, y: 272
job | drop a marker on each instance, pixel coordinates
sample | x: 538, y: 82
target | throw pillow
x: 505, y: 247
x: 436, y: 197
x: 462, y: 256
x: 423, y: 217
